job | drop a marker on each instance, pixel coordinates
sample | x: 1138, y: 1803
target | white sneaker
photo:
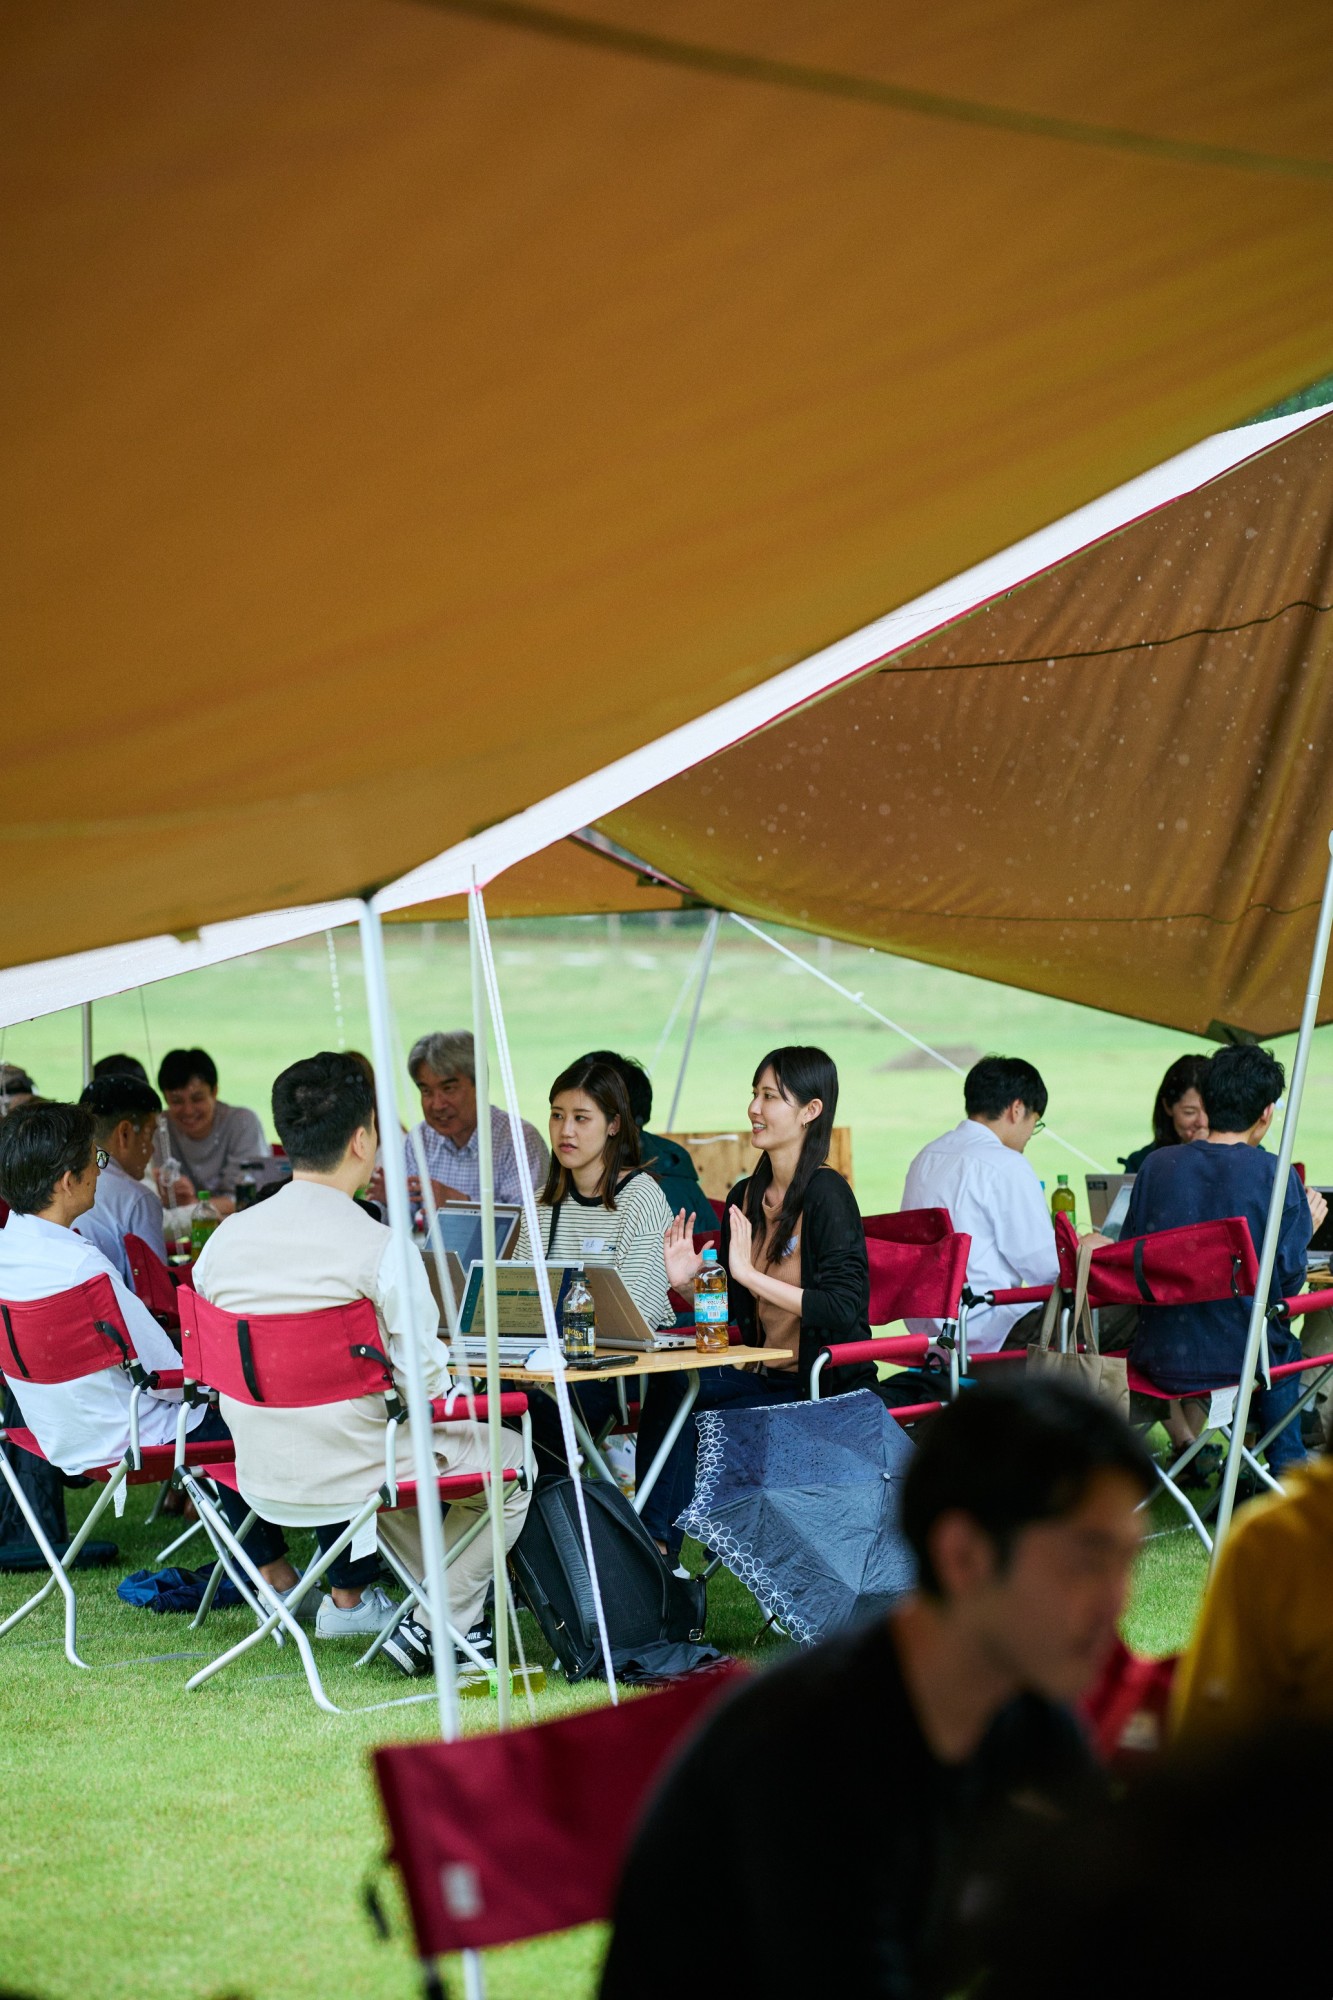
x: 310, y: 1606
x: 371, y: 1615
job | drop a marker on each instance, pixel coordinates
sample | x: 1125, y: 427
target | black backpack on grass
x: 646, y: 1607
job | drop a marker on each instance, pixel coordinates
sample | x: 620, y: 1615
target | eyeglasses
x: 102, y: 1158
x: 1040, y: 1126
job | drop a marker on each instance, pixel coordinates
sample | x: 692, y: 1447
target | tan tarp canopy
x: 409, y: 408
x: 1114, y: 784
x: 570, y: 879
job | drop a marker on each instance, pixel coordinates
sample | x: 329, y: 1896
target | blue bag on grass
x: 174, y: 1589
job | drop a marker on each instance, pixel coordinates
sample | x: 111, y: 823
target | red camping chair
x: 295, y: 1361
x: 1124, y: 1712
x: 153, y: 1283
x: 918, y: 1268
x: 64, y: 1339
x: 498, y: 1838
x: 1066, y: 1250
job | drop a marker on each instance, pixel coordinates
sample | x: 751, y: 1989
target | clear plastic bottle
x: 246, y: 1191
x: 578, y: 1324
x: 711, y: 1315
x: 204, y: 1219
x: 1062, y: 1201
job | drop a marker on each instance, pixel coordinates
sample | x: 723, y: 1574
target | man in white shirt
x: 48, y: 1175
x: 443, y: 1068
x: 310, y: 1246
x: 125, y: 1114
x: 977, y: 1171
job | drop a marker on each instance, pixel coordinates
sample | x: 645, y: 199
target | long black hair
x: 606, y: 1087
x: 801, y: 1075
x: 1186, y: 1073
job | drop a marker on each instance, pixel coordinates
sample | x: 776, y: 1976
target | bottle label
x: 710, y: 1308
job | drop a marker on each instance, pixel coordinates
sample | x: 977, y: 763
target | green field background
x: 588, y: 982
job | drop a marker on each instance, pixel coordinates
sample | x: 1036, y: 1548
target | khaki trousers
x: 458, y: 1448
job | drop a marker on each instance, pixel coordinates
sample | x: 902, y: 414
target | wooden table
x: 656, y: 1361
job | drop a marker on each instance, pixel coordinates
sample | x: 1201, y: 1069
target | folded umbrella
x: 801, y: 1501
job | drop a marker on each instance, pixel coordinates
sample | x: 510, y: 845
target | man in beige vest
x: 311, y: 1246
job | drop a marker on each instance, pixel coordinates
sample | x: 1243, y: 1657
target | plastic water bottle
x: 204, y: 1219
x: 578, y: 1324
x: 711, y: 1315
x: 1062, y: 1201
x: 246, y: 1191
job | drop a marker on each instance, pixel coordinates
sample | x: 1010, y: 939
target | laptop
x: 1320, y: 1251
x: 621, y: 1327
x: 1104, y: 1192
x: 460, y: 1229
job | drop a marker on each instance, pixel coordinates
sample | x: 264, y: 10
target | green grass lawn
x: 162, y: 1843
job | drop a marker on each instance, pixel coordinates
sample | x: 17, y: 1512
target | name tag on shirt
x: 594, y: 1246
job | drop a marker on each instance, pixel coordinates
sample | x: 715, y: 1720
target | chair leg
x: 158, y: 1504
x: 58, y: 1566
x: 1181, y: 1501
x: 415, y: 1596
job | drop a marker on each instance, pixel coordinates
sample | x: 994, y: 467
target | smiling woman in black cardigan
x: 799, y: 1278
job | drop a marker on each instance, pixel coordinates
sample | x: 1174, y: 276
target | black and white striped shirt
x: 628, y: 1237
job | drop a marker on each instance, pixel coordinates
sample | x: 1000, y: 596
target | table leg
x: 650, y: 1478
x: 592, y: 1457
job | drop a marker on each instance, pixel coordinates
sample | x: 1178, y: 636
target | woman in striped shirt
x: 599, y: 1206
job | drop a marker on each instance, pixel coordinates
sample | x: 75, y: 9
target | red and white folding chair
x: 918, y: 1270
x: 153, y: 1283
x: 499, y: 1838
x: 295, y: 1361
x: 1066, y: 1250
x: 64, y: 1339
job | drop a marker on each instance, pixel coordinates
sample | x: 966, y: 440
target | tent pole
x: 86, y: 1011
x: 486, y: 1173
x: 1256, y: 1342
x: 710, y: 939
x: 402, y: 1251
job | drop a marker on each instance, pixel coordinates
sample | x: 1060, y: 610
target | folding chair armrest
x: 455, y: 1409
x: 893, y: 1347
x: 1017, y: 1295
x: 167, y: 1378
x: 1304, y: 1302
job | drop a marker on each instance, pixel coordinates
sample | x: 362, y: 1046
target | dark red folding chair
x: 153, y: 1283
x: 1125, y: 1710
x: 918, y: 1268
x: 64, y: 1339
x: 295, y: 1361
x: 1066, y: 1250
x: 499, y: 1838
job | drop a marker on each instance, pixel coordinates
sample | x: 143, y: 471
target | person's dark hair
x: 1010, y: 1455
x: 801, y: 1074
x: 39, y: 1145
x: 1186, y: 1073
x: 1239, y: 1086
x: 180, y: 1066
x: 638, y: 1084
x: 119, y: 1065
x: 318, y: 1104
x: 604, y: 1084
x: 115, y: 1096
x: 996, y: 1082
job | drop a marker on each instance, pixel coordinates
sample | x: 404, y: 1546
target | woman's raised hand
x: 740, y: 1254
x: 683, y: 1261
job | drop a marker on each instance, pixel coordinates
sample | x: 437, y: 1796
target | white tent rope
x: 458, y: 1364
x: 858, y: 1000
x: 529, y: 1200
x: 685, y: 986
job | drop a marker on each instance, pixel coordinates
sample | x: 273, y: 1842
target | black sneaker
x: 410, y: 1649
x: 482, y: 1640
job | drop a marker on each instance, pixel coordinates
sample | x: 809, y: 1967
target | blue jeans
x: 1268, y: 1405
x: 719, y: 1388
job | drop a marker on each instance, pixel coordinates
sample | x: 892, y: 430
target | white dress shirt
x: 124, y: 1207
x: 459, y: 1166
x: 85, y: 1423
x: 994, y: 1197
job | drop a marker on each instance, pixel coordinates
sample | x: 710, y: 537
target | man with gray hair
x: 443, y: 1068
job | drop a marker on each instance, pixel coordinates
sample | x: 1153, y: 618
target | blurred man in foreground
x: 854, y: 1794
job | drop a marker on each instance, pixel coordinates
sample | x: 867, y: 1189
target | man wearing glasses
x: 978, y: 1172
x: 125, y: 1112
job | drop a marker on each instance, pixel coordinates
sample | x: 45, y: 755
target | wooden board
x: 723, y: 1158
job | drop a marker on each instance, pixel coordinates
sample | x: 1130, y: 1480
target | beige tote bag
x: 1104, y: 1375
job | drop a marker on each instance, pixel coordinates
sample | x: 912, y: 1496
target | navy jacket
x: 1202, y: 1347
